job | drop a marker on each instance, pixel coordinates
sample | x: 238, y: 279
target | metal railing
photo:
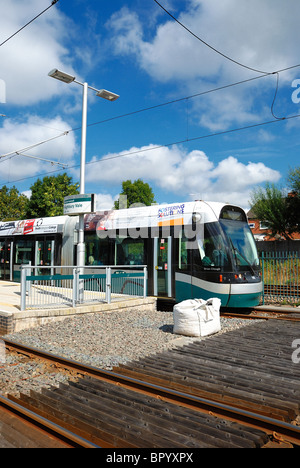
x: 281, y: 276
x: 44, y: 287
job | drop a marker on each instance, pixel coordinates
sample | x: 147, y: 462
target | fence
x: 74, y: 286
x: 281, y: 276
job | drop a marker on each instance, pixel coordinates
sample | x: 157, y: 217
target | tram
x: 192, y: 250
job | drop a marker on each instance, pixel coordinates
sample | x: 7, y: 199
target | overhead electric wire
x: 53, y: 163
x: 274, y: 99
x: 202, y: 93
x: 166, y: 145
x: 209, y: 135
x: 21, y: 150
x: 14, y: 153
x: 145, y: 109
x: 264, y: 73
x: 277, y: 119
x: 208, y: 45
x: 29, y: 22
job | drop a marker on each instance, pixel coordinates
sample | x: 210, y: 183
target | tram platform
x: 12, y: 319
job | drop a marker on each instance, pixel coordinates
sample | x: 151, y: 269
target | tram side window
x: 96, y: 250
x: 2, y: 252
x: 129, y: 251
x: 183, y: 260
x: 24, y: 252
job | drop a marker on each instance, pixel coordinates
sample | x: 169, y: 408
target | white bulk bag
x: 196, y: 317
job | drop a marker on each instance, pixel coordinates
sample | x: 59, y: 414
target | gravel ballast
x: 102, y: 340
x: 107, y: 339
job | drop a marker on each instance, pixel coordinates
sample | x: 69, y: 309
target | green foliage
x: 270, y: 206
x: 293, y: 201
x: 136, y: 192
x: 12, y: 204
x: 47, y: 197
x: 279, y: 211
x: 294, y: 179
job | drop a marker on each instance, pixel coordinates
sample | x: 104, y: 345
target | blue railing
x: 74, y: 286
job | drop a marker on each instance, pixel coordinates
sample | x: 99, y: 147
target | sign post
x: 75, y: 205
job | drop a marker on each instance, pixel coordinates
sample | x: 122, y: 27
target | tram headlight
x: 196, y: 217
x: 196, y: 220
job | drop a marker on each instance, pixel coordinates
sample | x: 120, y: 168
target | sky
x: 201, y: 114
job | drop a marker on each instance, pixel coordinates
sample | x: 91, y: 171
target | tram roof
x: 171, y: 214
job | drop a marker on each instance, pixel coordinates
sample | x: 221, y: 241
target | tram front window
x: 242, y: 244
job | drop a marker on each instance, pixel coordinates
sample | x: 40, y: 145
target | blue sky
x: 166, y: 128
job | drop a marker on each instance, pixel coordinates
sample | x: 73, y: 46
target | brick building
x: 261, y: 233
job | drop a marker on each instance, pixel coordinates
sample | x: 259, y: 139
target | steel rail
x: 286, y: 431
x: 259, y: 317
x: 41, y: 423
x: 270, y: 314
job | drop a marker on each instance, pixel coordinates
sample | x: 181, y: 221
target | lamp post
x: 66, y: 78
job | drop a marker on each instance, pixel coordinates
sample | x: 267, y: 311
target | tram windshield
x: 242, y: 244
x: 228, y: 245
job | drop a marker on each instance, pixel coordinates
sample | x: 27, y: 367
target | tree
x: 136, y: 192
x: 47, y: 197
x: 271, y: 207
x: 12, y: 204
x: 293, y: 200
x: 294, y: 179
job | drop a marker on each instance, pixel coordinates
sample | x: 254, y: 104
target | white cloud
x: 184, y: 174
x: 126, y: 22
x: 263, y: 35
x: 27, y: 58
x: 27, y: 193
x: 15, y: 136
x: 105, y: 201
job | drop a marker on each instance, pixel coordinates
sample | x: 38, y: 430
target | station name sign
x: 79, y: 204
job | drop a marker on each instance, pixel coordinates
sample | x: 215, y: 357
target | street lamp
x: 66, y: 78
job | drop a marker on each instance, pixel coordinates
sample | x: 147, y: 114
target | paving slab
x: 12, y: 319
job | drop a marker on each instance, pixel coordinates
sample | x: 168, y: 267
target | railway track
x: 265, y: 313
x: 21, y: 428
x: 238, y: 389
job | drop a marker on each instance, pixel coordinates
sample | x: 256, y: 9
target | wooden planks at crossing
x: 250, y: 368
x: 113, y: 416
x: 18, y: 433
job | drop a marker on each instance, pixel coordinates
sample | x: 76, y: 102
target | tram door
x: 44, y: 255
x: 5, y: 259
x: 162, y: 264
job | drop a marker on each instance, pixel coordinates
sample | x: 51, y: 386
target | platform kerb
x: 12, y: 322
